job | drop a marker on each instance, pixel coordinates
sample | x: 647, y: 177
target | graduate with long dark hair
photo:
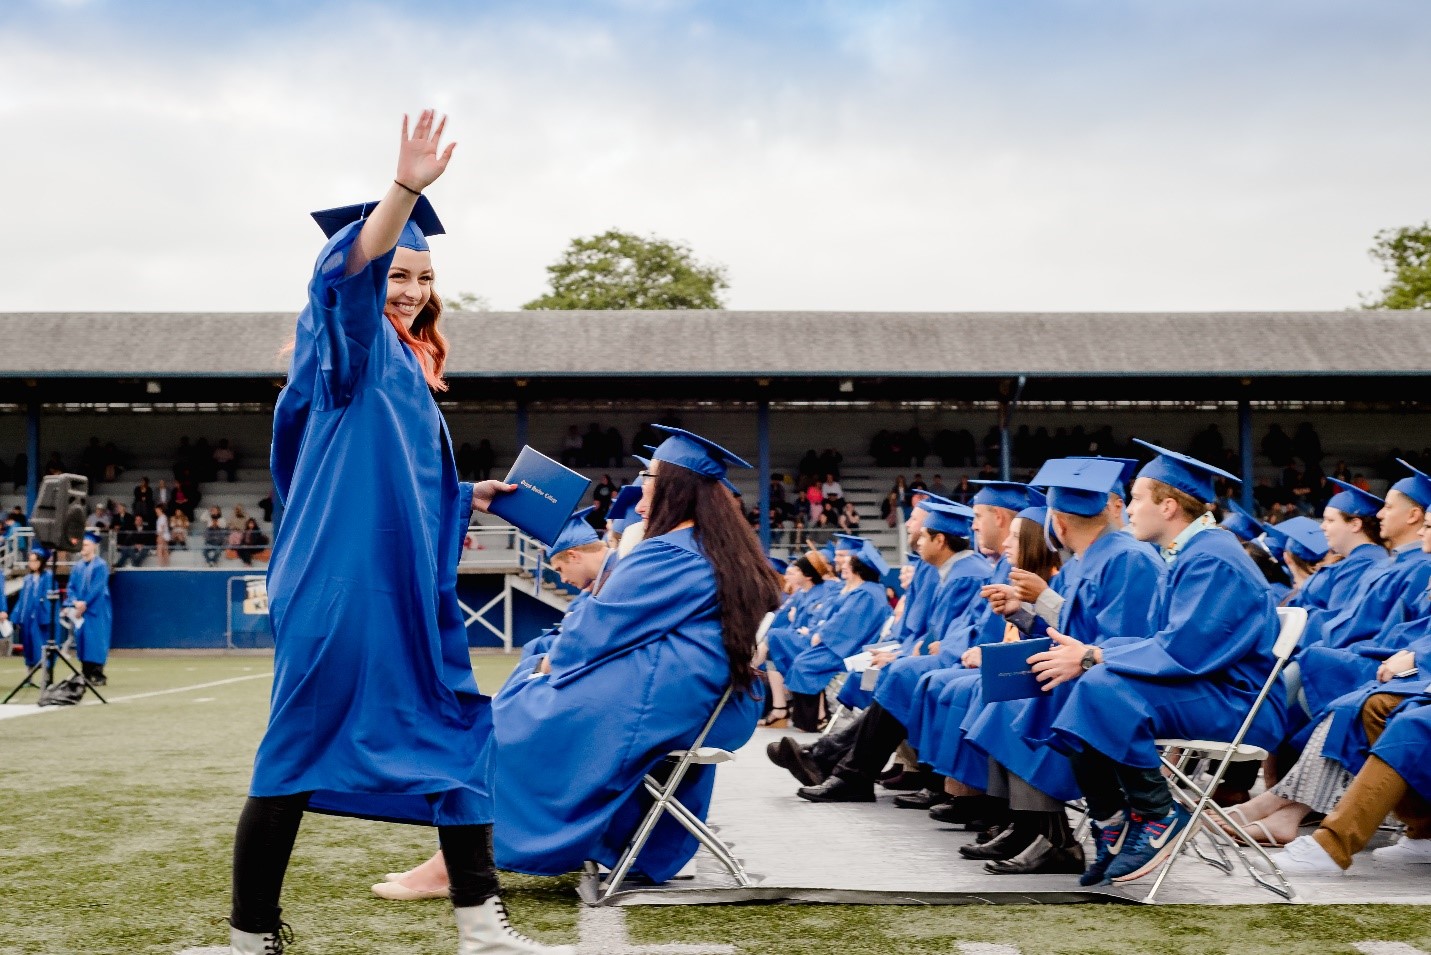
x: 375, y: 712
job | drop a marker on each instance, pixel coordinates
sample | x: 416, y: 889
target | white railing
x: 503, y: 547
x: 14, y: 548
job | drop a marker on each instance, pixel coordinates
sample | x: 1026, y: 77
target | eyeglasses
x: 646, y: 475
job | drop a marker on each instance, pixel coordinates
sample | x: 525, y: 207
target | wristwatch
x: 1090, y: 658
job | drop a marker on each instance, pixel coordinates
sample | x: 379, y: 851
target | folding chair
x: 1293, y: 621
x: 664, y: 798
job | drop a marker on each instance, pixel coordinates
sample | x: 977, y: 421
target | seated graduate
x: 1353, y: 532
x: 945, y: 544
x: 1395, y: 778
x: 583, y: 561
x: 812, y: 589
x: 1196, y: 676
x: 1107, y: 591
x: 622, y: 513
x: 31, y: 615
x: 1243, y: 525
x: 639, y: 670
x: 857, y: 619
x: 1397, y: 593
x: 1302, y: 548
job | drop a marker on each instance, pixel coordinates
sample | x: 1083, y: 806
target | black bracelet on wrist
x: 408, y: 188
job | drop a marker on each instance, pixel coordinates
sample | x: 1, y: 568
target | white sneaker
x: 1404, y: 851
x: 269, y: 943
x: 484, y: 930
x: 1305, y: 856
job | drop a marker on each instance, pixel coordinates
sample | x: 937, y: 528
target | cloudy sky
x: 833, y: 154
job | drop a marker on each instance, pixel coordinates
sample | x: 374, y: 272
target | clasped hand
x: 485, y: 492
x: 1398, y: 662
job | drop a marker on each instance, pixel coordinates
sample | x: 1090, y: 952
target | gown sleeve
x: 344, y: 314
x: 855, y: 624
x: 1206, y: 630
x: 654, y: 588
x: 1124, y: 597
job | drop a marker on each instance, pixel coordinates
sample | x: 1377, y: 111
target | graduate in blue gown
x: 813, y: 593
x: 1106, y: 598
x: 1195, y: 676
x: 375, y: 711
x: 1352, y: 530
x: 31, y: 614
x: 89, y: 608
x: 1301, y: 546
x: 639, y: 669
x: 857, y: 621
x: 582, y: 560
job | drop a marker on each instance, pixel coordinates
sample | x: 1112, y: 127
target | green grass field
x: 119, y: 827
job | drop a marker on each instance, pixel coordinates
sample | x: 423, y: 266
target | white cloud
x: 899, y: 159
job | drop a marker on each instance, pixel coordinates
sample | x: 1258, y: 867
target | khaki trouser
x: 1376, y: 791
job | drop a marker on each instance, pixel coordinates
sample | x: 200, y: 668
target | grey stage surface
x: 872, y: 853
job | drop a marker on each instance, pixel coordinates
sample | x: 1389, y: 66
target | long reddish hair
x: 427, y: 341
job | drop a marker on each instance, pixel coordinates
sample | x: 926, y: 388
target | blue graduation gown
x: 910, y: 629
x: 810, y: 608
x: 963, y: 607
x: 636, y: 675
x: 1340, y: 585
x: 1197, y: 676
x: 855, y: 623
x: 89, y: 581
x: 1312, y: 594
x: 1346, y: 739
x: 374, y: 707
x: 31, y: 615
x: 1386, y: 598
x: 1328, y: 672
x: 1111, y: 597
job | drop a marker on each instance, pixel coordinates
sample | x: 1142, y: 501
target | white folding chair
x: 1293, y: 621
x: 664, y: 798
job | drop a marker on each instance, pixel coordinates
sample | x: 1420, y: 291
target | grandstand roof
x: 892, y: 348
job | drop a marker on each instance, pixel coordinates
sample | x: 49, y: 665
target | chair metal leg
x: 643, y: 832
x: 692, y: 824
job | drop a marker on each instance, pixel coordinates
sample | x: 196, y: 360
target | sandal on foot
x: 777, y: 722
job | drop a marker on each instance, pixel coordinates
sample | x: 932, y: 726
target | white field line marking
x: 26, y: 709
x: 207, y: 951
x: 602, y: 931
x: 1386, y: 948
x: 985, y: 948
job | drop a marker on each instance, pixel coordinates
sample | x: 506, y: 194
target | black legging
x: 268, y: 827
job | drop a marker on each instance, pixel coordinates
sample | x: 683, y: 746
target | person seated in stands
x: 135, y: 544
x: 225, y: 460
x: 813, y: 588
x: 853, y: 622
x: 216, y: 537
x: 1395, y: 778
x: 252, y: 541
x: 1107, y: 590
x: 1196, y: 676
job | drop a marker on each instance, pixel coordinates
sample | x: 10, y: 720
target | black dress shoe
x: 903, y: 781
x: 923, y: 799
x: 971, y: 812
x: 1041, y: 858
x: 836, y: 789
x: 787, y: 754
x: 894, y: 771
x: 988, y: 834
x: 1009, y: 843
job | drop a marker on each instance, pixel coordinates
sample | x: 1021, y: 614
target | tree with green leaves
x: 620, y: 270
x: 1406, y: 254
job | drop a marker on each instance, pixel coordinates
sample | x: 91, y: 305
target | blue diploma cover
x: 547, y: 493
x: 1005, y: 673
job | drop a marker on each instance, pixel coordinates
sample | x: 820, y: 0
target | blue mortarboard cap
x: 1036, y: 514
x: 956, y: 520
x: 1302, y: 536
x: 576, y: 532
x: 1080, y: 485
x: 644, y: 462
x: 92, y: 537
x: 1417, y: 486
x: 1189, y: 475
x: 422, y: 223
x: 1353, y: 501
x: 39, y: 551
x: 1241, y: 523
x: 1130, y: 470
x: 1010, y: 495
x: 623, y: 507
x: 829, y: 551
x: 849, y: 542
x: 731, y: 487
x: 870, y: 556
x: 777, y: 564
x: 695, y: 453
x: 931, y: 499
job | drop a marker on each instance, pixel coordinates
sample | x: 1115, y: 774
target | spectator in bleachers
x: 937, y: 486
x: 465, y: 459
x: 917, y: 484
x: 164, y: 496
x: 814, y: 501
x: 1207, y: 445
x: 239, y: 521
x: 225, y: 460
x: 216, y: 537
x: 251, y: 542
x: 485, y: 459
x: 135, y: 542
x: 850, y: 518
x: 1277, y: 447
x: 179, y: 530
x: 99, y: 517
x: 143, y: 505
x: 187, y: 494
x: 963, y: 491
x: 602, y: 491
x: 112, y: 463
x: 916, y: 447
x: 830, y: 461
x: 203, y: 460
x: 891, y: 509
x: 1307, y: 445
x: 571, y: 447
x: 809, y: 465
x: 832, y: 492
